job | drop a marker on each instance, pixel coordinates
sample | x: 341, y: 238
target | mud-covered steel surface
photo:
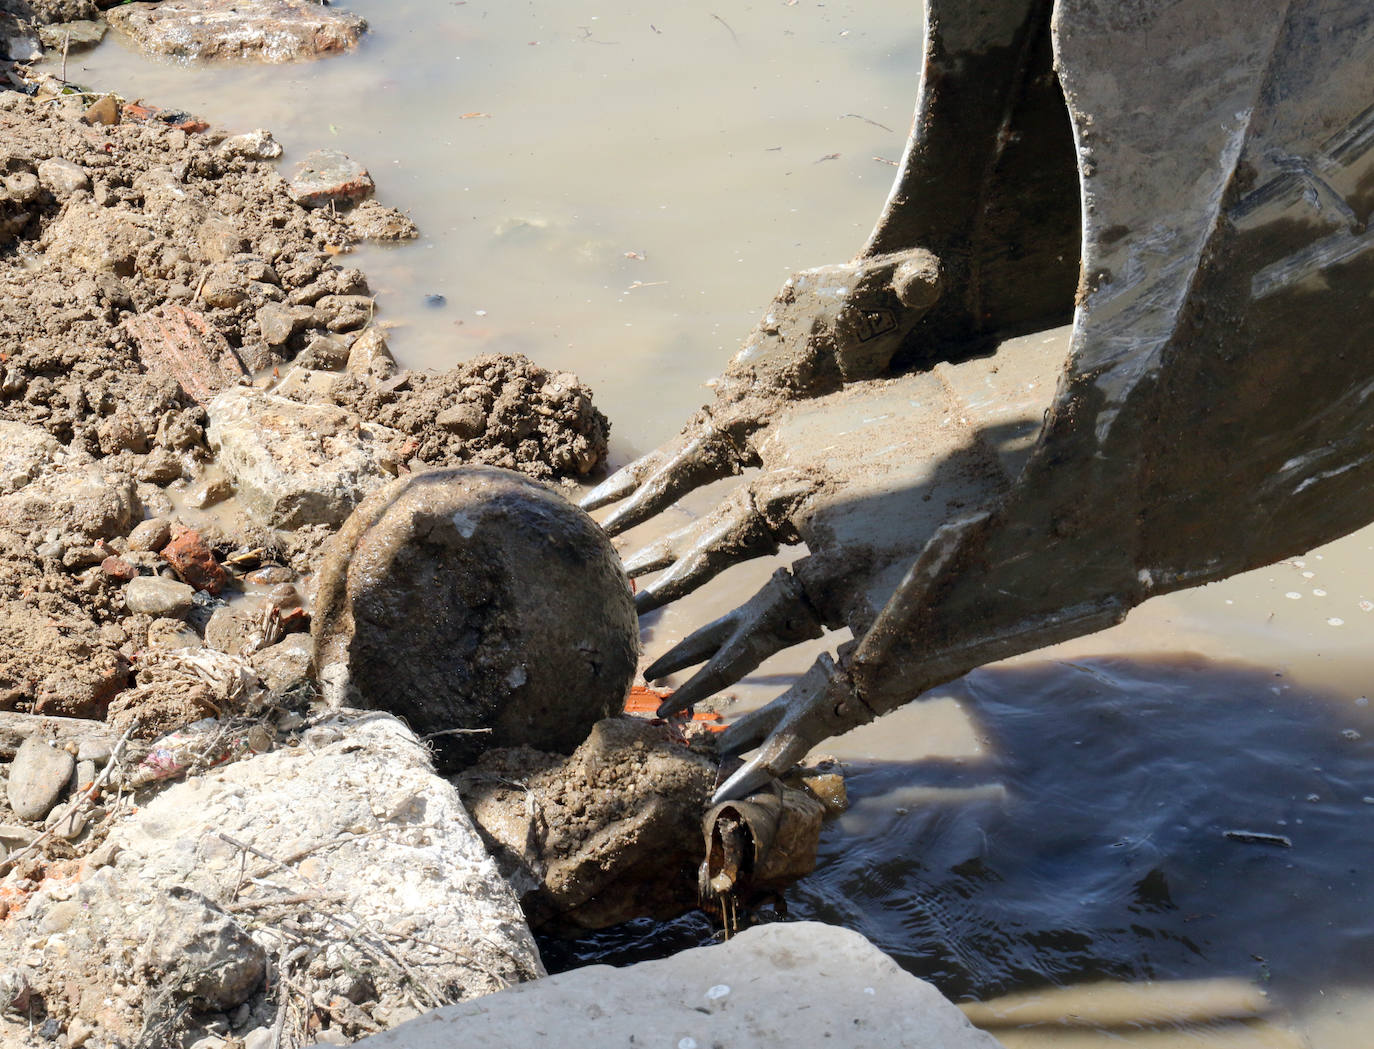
x: 475, y: 599
x: 1212, y: 414
x: 1202, y: 428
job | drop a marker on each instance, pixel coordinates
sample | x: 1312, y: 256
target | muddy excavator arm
x: 1189, y: 181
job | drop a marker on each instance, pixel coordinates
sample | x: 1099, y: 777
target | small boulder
x: 344, y: 312
x: 278, y: 322
x: 150, y: 535
x: 370, y: 357
x: 476, y: 598
x: 328, y: 176
x: 153, y: 595
x: 38, y: 778
x: 194, y: 561
x: 297, y: 464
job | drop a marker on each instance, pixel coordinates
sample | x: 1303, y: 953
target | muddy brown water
x: 619, y: 191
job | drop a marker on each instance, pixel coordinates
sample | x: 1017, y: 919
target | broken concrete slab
x: 252, y: 30
x: 298, y: 464
x: 794, y: 985
x: 348, y: 844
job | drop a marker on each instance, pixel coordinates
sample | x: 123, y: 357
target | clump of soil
x: 496, y: 410
x: 103, y: 231
x: 611, y: 833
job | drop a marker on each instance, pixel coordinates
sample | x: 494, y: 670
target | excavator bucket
x: 1188, y: 182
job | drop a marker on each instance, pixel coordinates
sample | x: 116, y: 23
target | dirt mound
x: 494, y: 410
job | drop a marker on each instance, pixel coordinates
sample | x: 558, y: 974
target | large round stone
x: 476, y: 598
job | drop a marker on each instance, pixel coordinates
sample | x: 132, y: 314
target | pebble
x: 152, y: 534
x: 210, y: 492
x: 117, y: 568
x: 156, y: 596
x: 66, y: 825
x: 78, y: 1032
x: 270, y: 575
x: 194, y: 561
x: 96, y: 751
x: 284, y: 595
x: 103, y: 111
x: 38, y: 777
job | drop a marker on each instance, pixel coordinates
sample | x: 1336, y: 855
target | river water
x: 619, y: 191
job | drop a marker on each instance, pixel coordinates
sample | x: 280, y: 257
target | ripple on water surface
x: 1092, y: 843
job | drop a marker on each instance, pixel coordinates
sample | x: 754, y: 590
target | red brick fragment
x: 117, y: 568
x: 183, y: 344
x: 194, y: 561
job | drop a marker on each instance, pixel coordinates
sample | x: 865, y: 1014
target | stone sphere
x: 475, y: 598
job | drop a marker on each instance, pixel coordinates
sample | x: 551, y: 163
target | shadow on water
x: 1091, y: 840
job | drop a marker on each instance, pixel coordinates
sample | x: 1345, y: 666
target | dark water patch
x: 1091, y: 843
x: 641, y: 940
x: 1103, y: 851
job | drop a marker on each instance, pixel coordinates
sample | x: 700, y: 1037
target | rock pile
x: 161, y: 511
x: 333, y: 887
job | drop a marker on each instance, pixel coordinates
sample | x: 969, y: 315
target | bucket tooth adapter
x: 1188, y: 183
